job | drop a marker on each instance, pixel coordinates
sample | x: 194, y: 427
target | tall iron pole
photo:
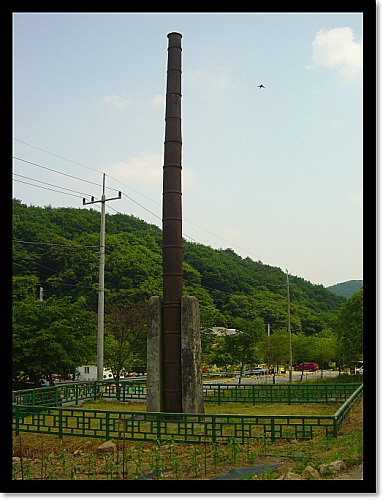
x: 101, y: 288
x: 172, y: 232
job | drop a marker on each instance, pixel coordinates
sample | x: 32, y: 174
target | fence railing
x: 80, y: 391
x: 279, y: 393
x: 190, y: 428
x: 213, y: 393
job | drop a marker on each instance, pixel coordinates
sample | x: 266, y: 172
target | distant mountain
x: 347, y: 288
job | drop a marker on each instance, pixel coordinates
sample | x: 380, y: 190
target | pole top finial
x: 174, y: 33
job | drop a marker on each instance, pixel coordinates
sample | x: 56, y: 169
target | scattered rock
x: 289, y: 476
x: 77, y: 453
x: 292, y: 475
x: 310, y: 472
x: 107, y: 447
x: 332, y: 467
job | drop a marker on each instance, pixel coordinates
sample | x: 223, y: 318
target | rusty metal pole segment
x: 172, y: 232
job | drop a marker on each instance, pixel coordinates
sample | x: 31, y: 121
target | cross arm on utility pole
x: 92, y: 200
x: 100, y: 321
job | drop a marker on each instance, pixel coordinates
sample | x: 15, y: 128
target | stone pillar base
x: 191, y: 367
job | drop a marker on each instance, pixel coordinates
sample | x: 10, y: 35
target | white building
x: 89, y: 372
x: 220, y: 330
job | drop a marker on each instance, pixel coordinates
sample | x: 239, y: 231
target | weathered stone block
x: 154, y: 381
x: 192, y: 388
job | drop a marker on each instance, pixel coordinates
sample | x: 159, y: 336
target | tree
x: 348, y: 325
x: 322, y: 350
x: 275, y: 349
x: 241, y: 346
x: 301, y: 349
x: 124, y: 327
x: 51, y: 336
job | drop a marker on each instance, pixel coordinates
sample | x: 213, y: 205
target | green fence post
x: 107, y: 426
x: 159, y: 426
x: 219, y: 395
x: 60, y: 423
x: 288, y: 394
x: 272, y: 428
x: 335, y: 427
x: 213, y: 428
x: 17, y: 416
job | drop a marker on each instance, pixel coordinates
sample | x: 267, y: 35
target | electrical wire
x: 55, y: 244
x: 42, y: 187
x: 56, y: 171
x: 130, y: 198
x: 48, y: 184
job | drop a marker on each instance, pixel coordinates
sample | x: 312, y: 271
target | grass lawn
x: 48, y: 457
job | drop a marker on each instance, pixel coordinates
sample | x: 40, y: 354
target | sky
x: 274, y: 173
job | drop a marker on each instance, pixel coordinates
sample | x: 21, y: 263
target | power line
x: 42, y: 187
x: 90, y: 168
x: 134, y: 201
x: 55, y: 244
x: 56, y: 171
x: 57, y: 156
x: 48, y: 184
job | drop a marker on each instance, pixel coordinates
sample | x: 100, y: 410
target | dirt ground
x: 72, y: 458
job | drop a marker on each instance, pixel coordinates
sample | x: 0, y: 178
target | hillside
x: 57, y: 249
x: 347, y: 288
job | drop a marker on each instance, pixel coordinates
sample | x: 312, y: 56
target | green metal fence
x: 190, y: 428
x: 213, y: 393
x: 80, y: 391
x: 278, y: 393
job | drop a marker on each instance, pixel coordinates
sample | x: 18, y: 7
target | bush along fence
x: 189, y: 428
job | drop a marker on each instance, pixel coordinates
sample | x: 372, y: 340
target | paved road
x: 279, y: 379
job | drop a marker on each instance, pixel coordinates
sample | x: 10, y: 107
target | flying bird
x: 261, y: 86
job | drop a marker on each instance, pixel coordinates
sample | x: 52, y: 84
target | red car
x: 307, y: 366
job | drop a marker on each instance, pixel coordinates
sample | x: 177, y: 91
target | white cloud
x: 139, y: 170
x: 337, y: 49
x: 158, y: 100
x: 116, y: 100
x: 145, y: 171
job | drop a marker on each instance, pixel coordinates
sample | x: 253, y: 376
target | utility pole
x: 101, y: 289
x: 289, y: 330
x: 41, y: 294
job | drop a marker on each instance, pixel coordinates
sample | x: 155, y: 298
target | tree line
x: 56, y: 249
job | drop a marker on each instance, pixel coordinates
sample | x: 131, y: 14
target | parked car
x: 359, y: 370
x: 307, y: 366
x: 260, y: 370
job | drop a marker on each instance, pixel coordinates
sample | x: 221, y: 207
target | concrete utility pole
x: 41, y: 294
x: 101, y: 289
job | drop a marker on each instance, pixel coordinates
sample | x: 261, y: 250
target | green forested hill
x: 347, y: 288
x: 57, y: 249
